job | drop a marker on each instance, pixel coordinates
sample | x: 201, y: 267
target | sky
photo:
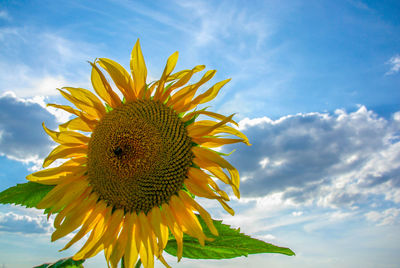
x: 315, y: 87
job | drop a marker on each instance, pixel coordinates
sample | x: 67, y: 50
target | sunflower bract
x: 126, y: 184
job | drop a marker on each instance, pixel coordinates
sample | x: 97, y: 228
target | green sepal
x: 63, y: 263
x: 230, y: 243
x: 225, y: 154
x: 167, y: 87
x: 187, y: 191
x: 191, y: 121
x: 108, y: 108
x: 26, y: 194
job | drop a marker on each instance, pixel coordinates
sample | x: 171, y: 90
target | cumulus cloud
x: 16, y: 223
x: 331, y: 160
x: 22, y: 137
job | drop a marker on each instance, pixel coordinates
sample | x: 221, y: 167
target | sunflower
x: 132, y: 180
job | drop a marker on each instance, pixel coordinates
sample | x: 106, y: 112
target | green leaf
x: 63, y: 263
x: 229, y: 244
x: 26, y: 194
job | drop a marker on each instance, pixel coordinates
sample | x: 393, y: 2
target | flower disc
x: 138, y: 156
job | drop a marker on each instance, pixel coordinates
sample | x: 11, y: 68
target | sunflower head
x: 131, y: 180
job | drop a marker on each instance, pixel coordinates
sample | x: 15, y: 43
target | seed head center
x: 138, y: 156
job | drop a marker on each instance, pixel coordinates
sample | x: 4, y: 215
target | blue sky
x: 315, y: 85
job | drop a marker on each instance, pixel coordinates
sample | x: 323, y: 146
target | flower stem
x: 139, y: 262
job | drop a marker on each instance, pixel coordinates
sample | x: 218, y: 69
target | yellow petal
x: 199, y: 175
x: 149, y: 90
x: 88, y: 98
x: 185, y: 95
x: 67, y: 137
x: 190, y: 202
x: 78, y: 124
x: 66, y: 108
x: 120, y: 246
x: 120, y: 77
x: 75, y: 218
x: 63, y: 151
x: 109, y: 235
x: 169, y: 67
x: 175, y: 85
x: 212, y: 168
x: 186, y: 218
x: 161, y: 258
x: 144, y: 257
x: 156, y: 223
x: 231, y: 130
x: 146, y: 252
x: 190, y: 115
x: 215, y: 186
x: 182, y: 81
x: 164, y: 234
x: 103, y: 88
x: 138, y: 69
x: 76, y: 190
x: 86, y: 106
x: 72, y: 206
x: 200, y: 191
x: 201, y: 179
x: 95, y: 216
x: 211, y: 156
x: 114, y: 227
x: 95, y: 236
x: 131, y: 252
x: 84, y: 116
x: 49, y: 175
x: 198, y: 130
x: 58, y: 192
x: 175, y: 229
x: 146, y: 234
x: 180, y: 74
x: 226, y: 207
x: 213, y: 142
x: 207, y: 96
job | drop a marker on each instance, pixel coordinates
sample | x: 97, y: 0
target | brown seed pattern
x: 139, y: 154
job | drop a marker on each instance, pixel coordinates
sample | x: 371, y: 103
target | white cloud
x: 4, y: 15
x: 23, y: 138
x: 385, y: 217
x: 395, y: 64
x: 12, y: 222
x: 216, y: 23
x: 297, y: 213
x: 35, y: 63
x: 341, y: 160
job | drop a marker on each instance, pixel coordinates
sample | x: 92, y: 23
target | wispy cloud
x: 4, y: 15
x: 219, y: 23
x: 47, y: 61
x: 394, y: 62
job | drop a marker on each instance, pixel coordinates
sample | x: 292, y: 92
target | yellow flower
x: 129, y: 183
